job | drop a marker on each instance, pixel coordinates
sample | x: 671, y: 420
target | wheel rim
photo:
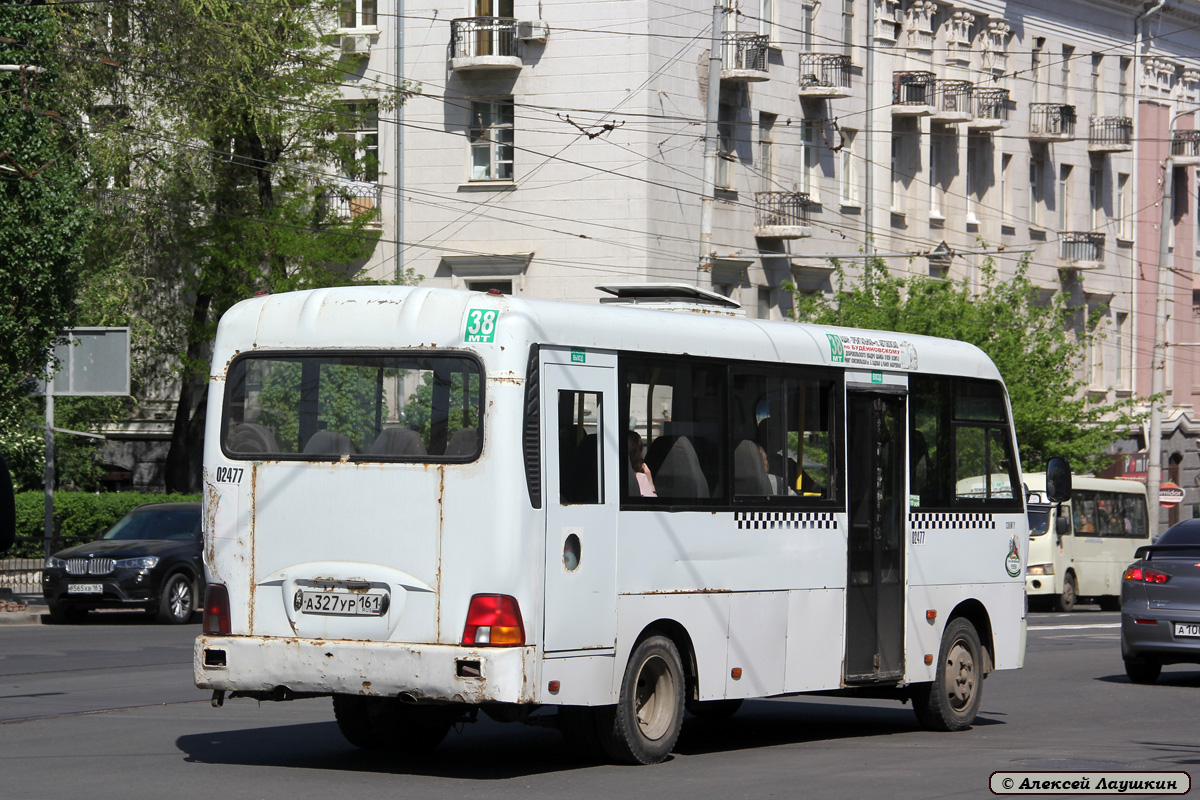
x: 180, y: 600
x: 960, y: 676
x: 654, y: 700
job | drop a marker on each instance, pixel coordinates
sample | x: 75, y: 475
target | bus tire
x: 952, y: 700
x: 1142, y: 670
x: 1066, y: 600
x: 644, y: 725
x: 385, y: 723
x: 713, y: 709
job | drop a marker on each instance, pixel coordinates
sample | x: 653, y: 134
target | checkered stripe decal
x: 933, y: 521
x: 783, y: 520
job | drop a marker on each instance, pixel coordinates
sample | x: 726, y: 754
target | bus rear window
x: 366, y: 407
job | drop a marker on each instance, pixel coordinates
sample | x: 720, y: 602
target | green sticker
x: 837, y: 353
x: 578, y: 357
x: 876, y: 377
x: 481, y: 324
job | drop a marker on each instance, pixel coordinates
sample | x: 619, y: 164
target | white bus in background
x: 1080, y: 551
x: 424, y: 503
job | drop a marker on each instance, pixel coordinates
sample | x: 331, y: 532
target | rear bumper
x: 380, y: 669
x: 1158, y: 640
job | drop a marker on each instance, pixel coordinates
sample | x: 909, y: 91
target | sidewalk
x: 21, y: 609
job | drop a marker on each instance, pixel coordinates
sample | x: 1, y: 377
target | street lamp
x: 1159, y: 361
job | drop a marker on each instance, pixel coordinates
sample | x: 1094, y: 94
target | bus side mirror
x: 1058, y: 480
x: 8, y: 509
x: 1062, y: 526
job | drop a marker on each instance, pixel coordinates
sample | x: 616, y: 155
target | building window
x: 1124, y: 206
x: 1121, y: 367
x: 848, y: 28
x: 897, y: 197
x: 1006, y: 204
x: 810, y: 129
x: 1037, y: 199
x: 491, y: 139
x: 503, y: 287
x: 1064, y: 197
x: 1097, y: 63
x: 936, y: 190
x: 360, y: 137
x: 1035, y: 69
x: 766, y: 18
x: 726, y: 149
x: 1123, y: 86
x: 764, y: 302
x: 1068, y: 53
x: 974, y: 192
x: 358, y: 13
x: 849, y: 169
x: 1096, y: 197
x: 766, y: 156
x: 808, y: 14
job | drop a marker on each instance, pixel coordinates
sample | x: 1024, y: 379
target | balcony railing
x: 824, y: 75
x: 353, y: 202
x: 952, y: 99
x: 1081, y: 247
x: 783, y: 215
x: 1051, y: 121
x: 1110, y: 134
x: 1185, y: 147
x: 991, y: 107
x: 913, y: 92
x: 477, y: 42
x: 743, y: 56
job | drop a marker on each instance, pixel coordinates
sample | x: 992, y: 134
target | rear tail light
x: 494, y: 620
x: 216, y: 609
x: 1146, y: 575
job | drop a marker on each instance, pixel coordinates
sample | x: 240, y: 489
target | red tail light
x: 1146, y: 575
x: 216, y: 609
x: 494, y: 620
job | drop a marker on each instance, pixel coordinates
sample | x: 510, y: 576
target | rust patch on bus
x: 437, y: 577
x: 253, y: 523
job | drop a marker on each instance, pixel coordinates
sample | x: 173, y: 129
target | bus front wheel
x: 644, y: 725
x: 951, y: 702
x: 1066, y: 600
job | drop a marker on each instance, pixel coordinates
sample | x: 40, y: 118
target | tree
x: 216, y: 149
x: 44, y: 215
x: 1038, y: 346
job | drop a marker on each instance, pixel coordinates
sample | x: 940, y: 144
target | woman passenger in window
x: 641, y: 471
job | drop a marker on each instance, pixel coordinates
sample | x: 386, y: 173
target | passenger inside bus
x: 637, y: 465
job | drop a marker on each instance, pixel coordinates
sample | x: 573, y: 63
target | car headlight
x: 142, y: 562
x: 1039, y: 569
x: 55, y: 563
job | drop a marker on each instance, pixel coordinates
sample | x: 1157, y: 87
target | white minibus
x: 427, y: 503
x: 1080, y: 551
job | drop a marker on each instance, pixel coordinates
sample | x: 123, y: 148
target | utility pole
x: 711, y: 136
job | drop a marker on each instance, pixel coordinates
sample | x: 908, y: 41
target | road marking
x: 1074, y: 627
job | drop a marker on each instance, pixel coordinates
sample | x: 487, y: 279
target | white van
x: 1081, y: 550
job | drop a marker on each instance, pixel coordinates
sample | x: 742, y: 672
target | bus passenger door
x: 875, y: 561
x: 579, y: 411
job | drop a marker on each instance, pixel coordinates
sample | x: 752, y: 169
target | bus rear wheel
x: 644, y: 725
x: 385, y: 723
x: 951, y: 702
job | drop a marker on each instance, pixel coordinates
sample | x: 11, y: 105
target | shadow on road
x: 488, y: 750
x: 1167, y: 678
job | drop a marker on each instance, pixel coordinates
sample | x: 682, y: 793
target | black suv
x: 151, y: 559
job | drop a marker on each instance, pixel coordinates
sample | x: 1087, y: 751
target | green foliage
x: 418, y: 411
x: 44, y: 218
x: 1037, y: 344
x: 82, y: 517
x: 219, y: 151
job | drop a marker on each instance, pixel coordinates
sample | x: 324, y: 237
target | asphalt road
x: 108, y: 710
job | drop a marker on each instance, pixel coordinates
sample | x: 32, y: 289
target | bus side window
x: 580, y: 476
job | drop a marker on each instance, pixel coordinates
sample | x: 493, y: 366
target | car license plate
x: 85, y: 588
x: 1187, y: 628
x: 343, y: 603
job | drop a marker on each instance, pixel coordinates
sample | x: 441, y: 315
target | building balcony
x: 1185, y: 148
x: 952, y: 101
x: 1051, y: 122
x: 743, y: 57
x: 1110, y: 134
x: 991, y: 109
x: 354, y: 200
x: 913, y: 93
x: 483, y: 43
x: 1081, y: 249
x: 782, y: 215
x: 824, y: 76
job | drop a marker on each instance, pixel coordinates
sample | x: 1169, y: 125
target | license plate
x: 1187, y: 628
x: 85, y: 588
x: 343, y: 603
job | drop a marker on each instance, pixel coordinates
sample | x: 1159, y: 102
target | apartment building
x: 549, y: 148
